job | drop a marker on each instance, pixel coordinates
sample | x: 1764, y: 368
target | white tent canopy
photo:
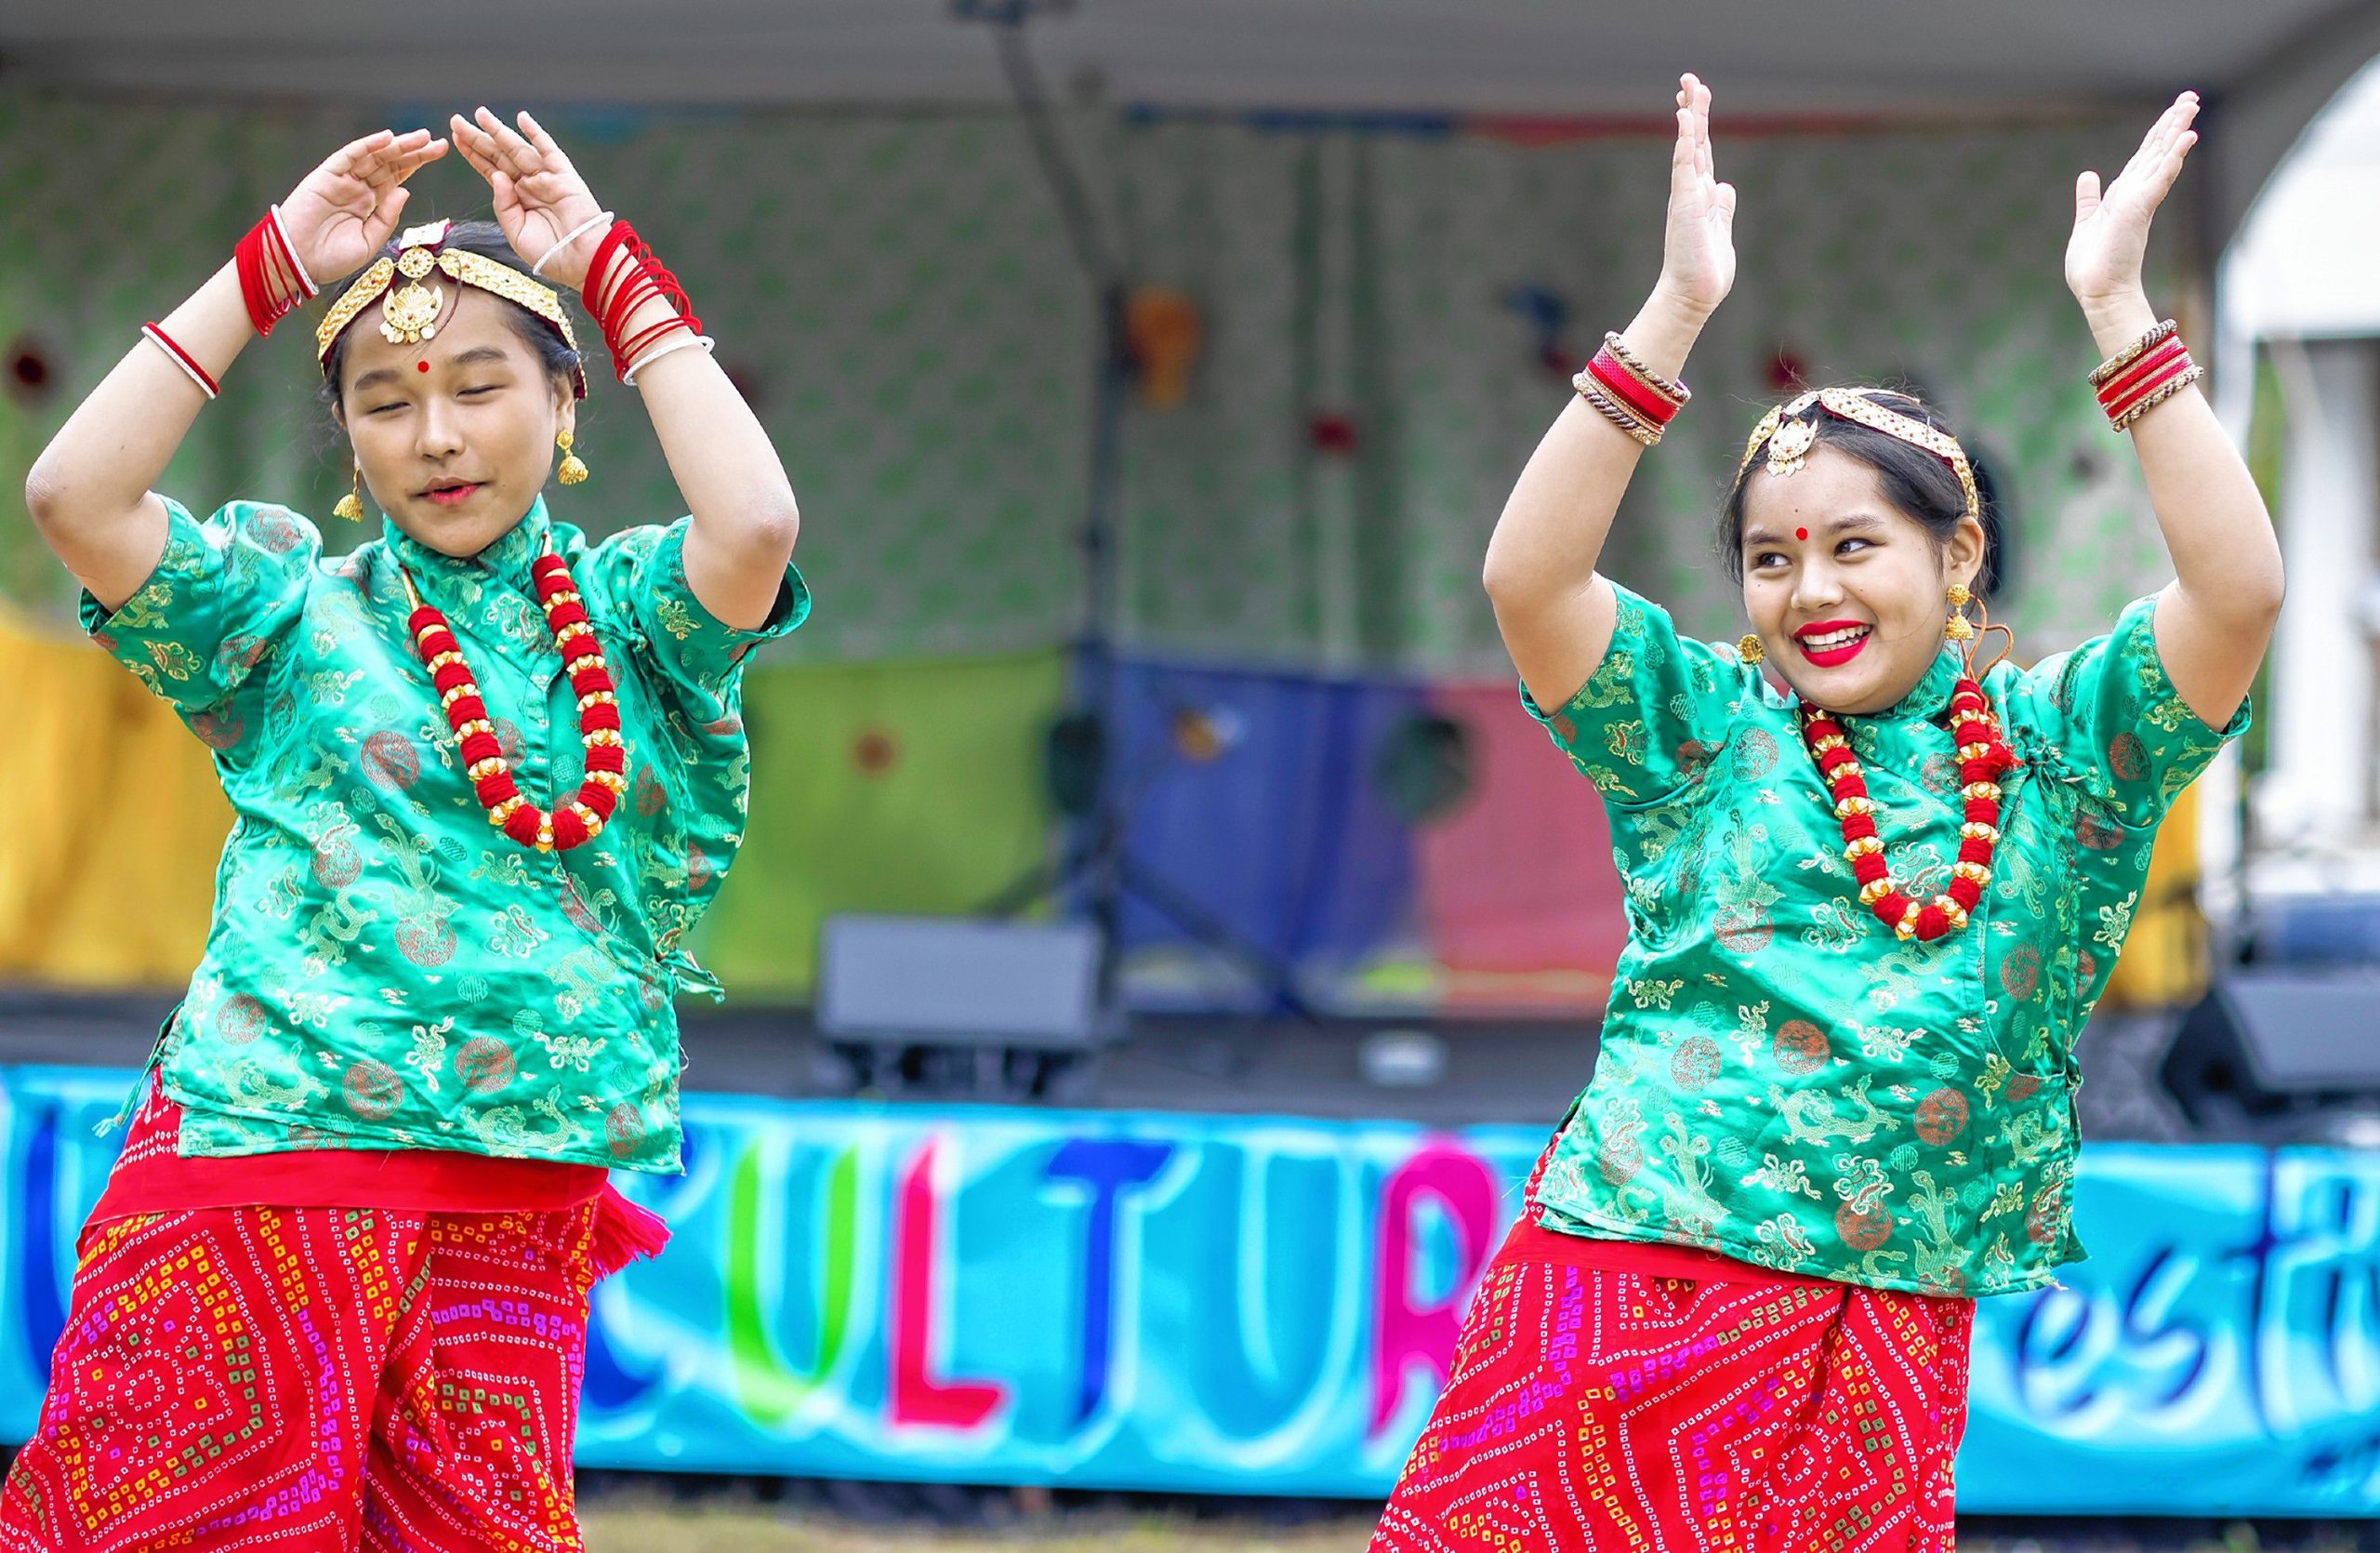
x: 2307, y: 264
x: 2266, y: 67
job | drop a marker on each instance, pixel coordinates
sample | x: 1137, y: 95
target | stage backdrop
x: 1387, y: 312
x: 1265, y: 1306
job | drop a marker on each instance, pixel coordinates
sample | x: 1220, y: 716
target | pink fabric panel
x: 1518, y: 882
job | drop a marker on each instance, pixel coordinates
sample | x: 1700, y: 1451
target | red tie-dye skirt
x: 318, y: 1378
x: 1607, y: 1396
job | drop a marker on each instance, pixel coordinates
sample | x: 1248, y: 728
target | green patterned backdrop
x: 894, y: 293
x: 1366, y: 274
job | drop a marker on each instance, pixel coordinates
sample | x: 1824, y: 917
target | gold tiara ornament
x: 1789, y: 437
x: 409, y: 313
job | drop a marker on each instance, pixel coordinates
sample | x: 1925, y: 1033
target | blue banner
x: 1250, y: 1304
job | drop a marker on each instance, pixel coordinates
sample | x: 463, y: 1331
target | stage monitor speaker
x: 2267, y: 1051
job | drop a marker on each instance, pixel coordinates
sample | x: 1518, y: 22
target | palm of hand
x: 2111, y: 238
x: 346, y: 207
x: 535, y: 211
x: 1698, y: 246
x: 341, y: 213
x: 1702, y: 250
x: 2104, y: 255
x: 539, y: 198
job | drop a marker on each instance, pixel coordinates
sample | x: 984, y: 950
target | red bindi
x: 1798, y: 534
x: 424, y: 366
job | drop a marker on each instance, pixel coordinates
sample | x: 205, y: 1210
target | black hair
x: 487, y: 240
x: 1914, y: 481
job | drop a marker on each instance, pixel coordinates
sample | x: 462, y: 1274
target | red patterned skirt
x: 1595, y: 1406
x: 306, y: 1378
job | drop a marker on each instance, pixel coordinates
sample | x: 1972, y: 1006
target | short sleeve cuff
x: 1628, y: 628
x: 1647, y: 723
x: 181, y: 566
x: 707, y: 648
x: 2136, y: 640
x: 202, y: 620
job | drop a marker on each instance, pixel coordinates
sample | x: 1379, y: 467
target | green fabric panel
x: 896, y: 787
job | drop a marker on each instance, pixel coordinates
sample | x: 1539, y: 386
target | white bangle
x: 181, y: 358
x: 573, y: 235
x: 291, y: 249
x: 675, y: 342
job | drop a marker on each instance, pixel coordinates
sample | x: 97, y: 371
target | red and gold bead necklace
x: 1983, y: 755
x: 581, y: 819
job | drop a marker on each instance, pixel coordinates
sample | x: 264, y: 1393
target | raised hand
x: 539, y: 196
x: 1699, y: 245
x: 342, y: 212
x: 2110, y: 236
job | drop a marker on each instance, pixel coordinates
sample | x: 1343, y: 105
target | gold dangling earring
x: 1958, y: 629
x: 1749, y: 649
x: 574, y: 469
x: 351, y: 506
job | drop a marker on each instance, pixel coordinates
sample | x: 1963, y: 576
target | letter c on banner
x: 1405, y: 1334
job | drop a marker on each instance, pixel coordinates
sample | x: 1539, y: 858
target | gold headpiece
x: 409, y: 314
x: 1790, y: 438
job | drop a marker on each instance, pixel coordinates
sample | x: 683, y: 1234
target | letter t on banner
x: 918, y: 1397
x: 1106, y: 1167
x: 1405, y: 1334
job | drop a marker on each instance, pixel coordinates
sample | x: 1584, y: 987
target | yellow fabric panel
x: 2163, y: 964
x: 107, y: 864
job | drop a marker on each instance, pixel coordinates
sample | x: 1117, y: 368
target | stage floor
x: 1504, y: 1071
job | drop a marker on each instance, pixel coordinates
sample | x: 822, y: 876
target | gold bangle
x: 1614, y: 412
x: 2132, y: 352
x: 2186, y: 379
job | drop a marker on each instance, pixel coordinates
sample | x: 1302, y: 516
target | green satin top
x: 1782, y: 1078
x: 384, y: 967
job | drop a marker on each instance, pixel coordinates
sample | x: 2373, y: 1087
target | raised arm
x: 1556, y: 614
x: 2215, y: 619
x: 744, y: 519
x: 89, y: 491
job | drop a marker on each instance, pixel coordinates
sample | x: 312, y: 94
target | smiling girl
x: 1870, y: 906
x: 486, y: 776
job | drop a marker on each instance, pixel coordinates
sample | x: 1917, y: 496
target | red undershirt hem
x: 152, y: 1175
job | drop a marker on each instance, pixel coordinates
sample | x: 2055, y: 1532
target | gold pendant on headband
x: 1789, y: 445
x: 409, y: 314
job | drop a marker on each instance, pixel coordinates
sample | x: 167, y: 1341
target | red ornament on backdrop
x: 873, y: 752
x: 1331, y: 432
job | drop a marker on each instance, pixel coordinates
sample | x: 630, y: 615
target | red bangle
x: 2119, y: 392
x: 2116, y: 403
x: 2147, y: 366
x: 272, y: 283
x: 183, y: 359
x: 2121, y: 415
x: 615, y: 236
x: 1625, y: 386
x: 634, y: 347
x: 622, y: 277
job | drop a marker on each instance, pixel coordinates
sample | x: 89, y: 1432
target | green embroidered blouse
x: 1782, y: 1079
x: 384, y: 967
